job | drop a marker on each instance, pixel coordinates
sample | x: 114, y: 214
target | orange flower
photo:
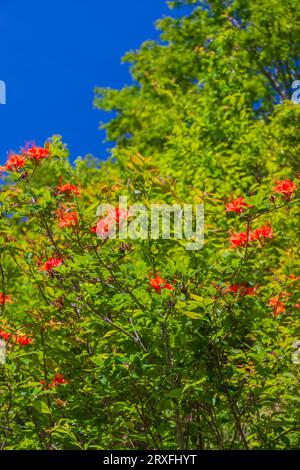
x: 57, y: 380
x: 286, y: 188
x: 238, y: 239
x: 68, y: 189
x: 158, y: 283
x: 117, y: 214
x: 261, y: 233
x: 4, y: 335
x: 237, y: 205
x: 294, y: 278
x: 102, y: 228
x: 277, y: 304
x: 4, y: 299
x: 242, y: 289
x: 23, y: 340
x: 14, y: 163
x: 105, y: 226
x: 51, y: 263
x: 67, y: 219
x: 36, y: 153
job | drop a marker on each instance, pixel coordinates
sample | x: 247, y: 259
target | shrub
x: 115, y: 344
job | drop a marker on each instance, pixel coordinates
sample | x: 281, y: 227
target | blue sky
x: 53, y: 54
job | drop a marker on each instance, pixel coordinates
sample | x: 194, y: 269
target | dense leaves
x: 121, y: 344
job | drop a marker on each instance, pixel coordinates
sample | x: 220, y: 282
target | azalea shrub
x: 141, y: 343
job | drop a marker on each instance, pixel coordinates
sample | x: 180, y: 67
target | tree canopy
x: 142, y: 344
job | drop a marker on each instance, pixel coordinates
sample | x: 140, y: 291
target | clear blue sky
x: 53, y: 54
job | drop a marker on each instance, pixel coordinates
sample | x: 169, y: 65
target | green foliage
x: 115, y: 363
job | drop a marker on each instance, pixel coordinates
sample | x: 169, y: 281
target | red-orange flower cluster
x: 4, y: 335
x: 294, y: 278
x: 240, y: 238
x: 23, y: 340
x: 104, y: 226
x: 242, y: 289
x: 158, y: 283
x: 14, y: 163
x: 278, y: 303
x: 262, y: 233
x: 4, y: 299
x: 51, y: 263
x: 237, y: 205
x: 57, y: 380
x: 68, y: 189
x: 286, y: 188
x: 36, y: 153
x: 67, y: 219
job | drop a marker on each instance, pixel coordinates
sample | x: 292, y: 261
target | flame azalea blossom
x: 57, y: 380
x: 294, y: 278
x: 51, y: 263
x: 67, y: 219
x: 68, y: 189
x: 4, y: 335
x: 14, y: 163
x: 242, y: 289
x: 4, y: 299
x: 107, y: 225
x: 286, y: 188
x: 238, y: 239
x: 262, y: 233
x: 36, y: 153
x: 158, y: 283
x: 278, y: 306
x: 23, y: 340
x: 102, y: 229
x: 117, y: 214
x: 277, y: 303
x: 237, y: 205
